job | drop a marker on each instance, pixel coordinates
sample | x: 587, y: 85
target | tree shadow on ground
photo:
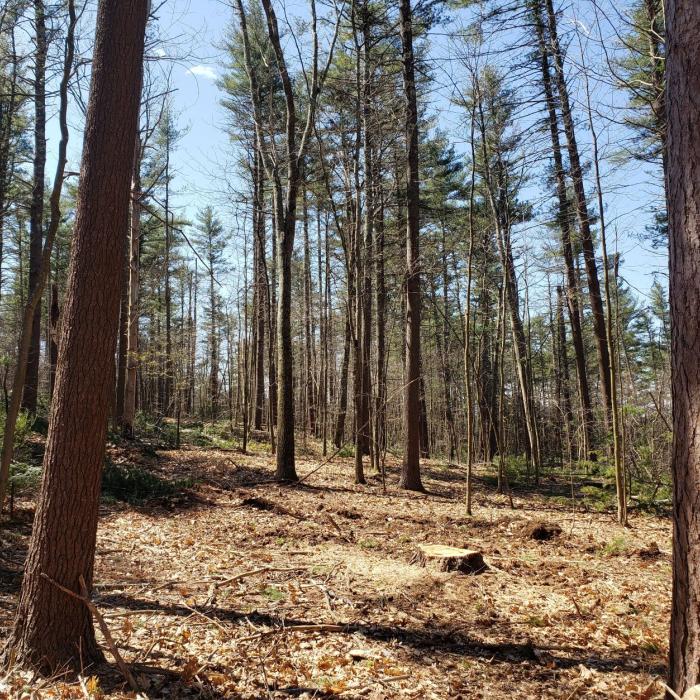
x: 416, y: 640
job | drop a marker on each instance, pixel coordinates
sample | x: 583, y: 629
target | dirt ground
x: 243, y: 588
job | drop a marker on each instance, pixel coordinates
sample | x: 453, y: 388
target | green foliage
x: 25, y: 476
x: 135, y: 485
x: 615, y: 547
x: 273, y: 593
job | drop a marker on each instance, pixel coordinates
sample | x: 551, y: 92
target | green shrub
x: 25, y: 476
x: 135, y: 485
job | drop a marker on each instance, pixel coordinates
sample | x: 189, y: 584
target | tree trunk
x: 168, y: 364
x: 343, y: 389
x: 683, y: 187
x: 213, y: 342
x: 261, y: 290
x: 132, y: 359
x: 54, y: 319
x: 31, y: 384
x: 565, y: 230
x: 410, y: 471
x: 380, y: 303
x: 286, y: 468
x: 582, y: 213
x: 53, y: 630
x: 123, y: 341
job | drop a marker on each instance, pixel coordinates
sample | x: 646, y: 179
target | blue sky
x: 202, y: 162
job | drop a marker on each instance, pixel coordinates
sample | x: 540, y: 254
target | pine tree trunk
x: 132, y: 359
x: 36, y: 235
x: 410, y: 471
x: 286, y: 469
x: 53, y: 630
x: 380, y: 303
x: 565, y: 229
x: 339, y: 436
x: 168, y: 360
x: 683, y: 187
x: 55, y: 315
x: 582, y: 213
x: 261, y: 290
x: 123, y: 339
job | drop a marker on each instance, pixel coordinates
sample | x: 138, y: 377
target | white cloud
x: 203, y: 71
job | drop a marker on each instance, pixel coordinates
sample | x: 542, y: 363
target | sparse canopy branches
x: 641, y: 72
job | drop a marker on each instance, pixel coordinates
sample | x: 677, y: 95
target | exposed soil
x: 244, y: 588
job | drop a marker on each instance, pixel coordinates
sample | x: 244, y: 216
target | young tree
x: 52, y: 629
x: 211, y: 240
x: 683, y: 183
x: 285, y: 194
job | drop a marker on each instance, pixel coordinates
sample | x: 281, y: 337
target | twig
x: 84, y: 598
x: 295, y: 628
x: 208, y: 619
x: 672, y: 692
x: 245, y: 574
x: 576, y: 690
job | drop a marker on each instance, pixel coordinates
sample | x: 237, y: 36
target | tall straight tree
x: 285, y: 204
x: 52, y: 629
x: 683, y: 186
x: 583, y: 215
x: 36, y: 217
x: 564, y: 223
x: 410, y: 471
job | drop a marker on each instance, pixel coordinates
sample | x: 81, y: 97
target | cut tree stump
x: 444, y: 558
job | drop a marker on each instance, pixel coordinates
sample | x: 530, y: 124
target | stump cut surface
x: 445, y: 558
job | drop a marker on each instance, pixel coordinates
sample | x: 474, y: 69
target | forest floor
x: 233, y: 586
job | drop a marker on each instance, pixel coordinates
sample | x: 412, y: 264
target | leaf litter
x: 245, y: 588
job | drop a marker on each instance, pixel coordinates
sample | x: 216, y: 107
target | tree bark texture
x: 683, y: 186
x: 410, y: 472
x: 52, y: 629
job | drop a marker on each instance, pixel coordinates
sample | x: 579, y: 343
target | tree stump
x: 444, y: 558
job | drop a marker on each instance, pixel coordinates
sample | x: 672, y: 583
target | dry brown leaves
x: 246, y: 590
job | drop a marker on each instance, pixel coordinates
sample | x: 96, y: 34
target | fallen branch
x: 85, y: 599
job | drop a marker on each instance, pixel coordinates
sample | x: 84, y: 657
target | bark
x: 309, y: 395
x: 51, y: 629
x: 36, y: 215
x: 368, y: 234
x: 683, y: 187
x: 410, y: 471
